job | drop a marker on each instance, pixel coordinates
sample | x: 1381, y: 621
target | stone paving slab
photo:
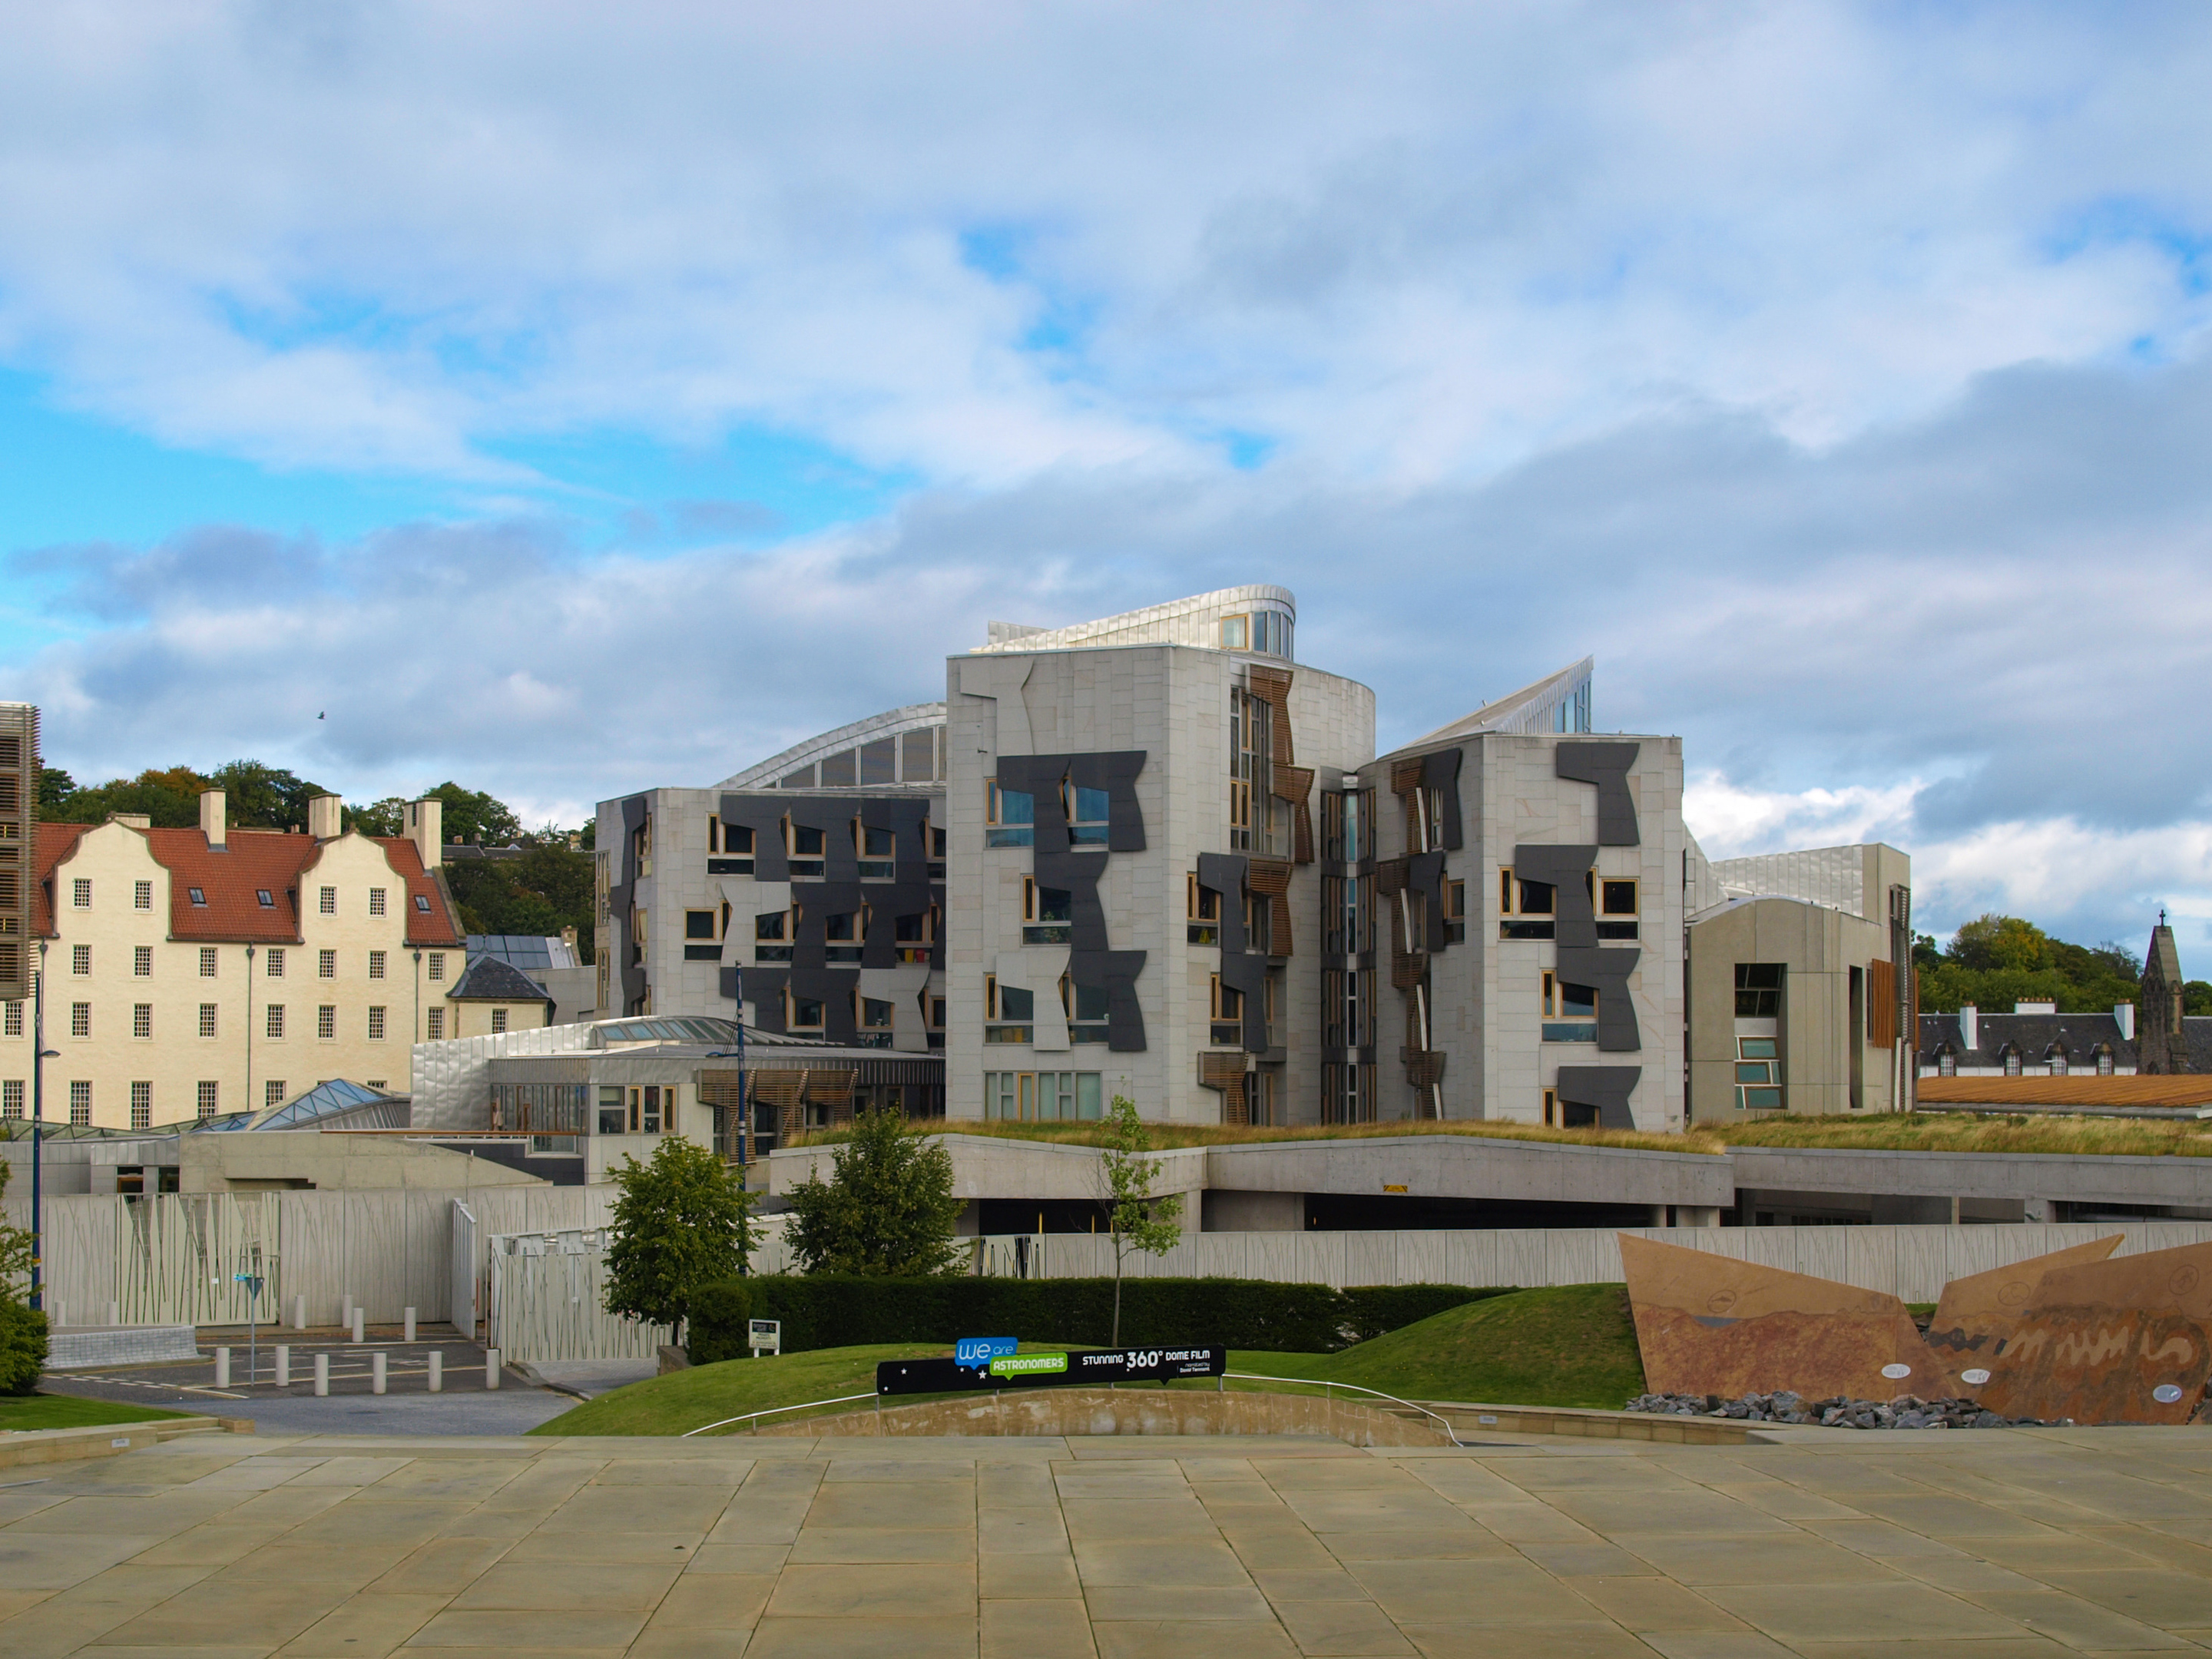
x: 2002, y: 1545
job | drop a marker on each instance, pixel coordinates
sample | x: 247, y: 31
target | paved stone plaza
x: 1998, y: 1544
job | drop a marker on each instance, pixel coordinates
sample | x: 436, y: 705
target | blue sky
x: 1835, y: 374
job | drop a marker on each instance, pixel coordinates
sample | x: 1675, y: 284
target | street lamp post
x: 40, y: 1055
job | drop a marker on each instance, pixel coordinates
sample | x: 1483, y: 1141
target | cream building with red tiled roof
x: 194, y: 972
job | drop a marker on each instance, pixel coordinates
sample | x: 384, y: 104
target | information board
x: 1090, y: 1368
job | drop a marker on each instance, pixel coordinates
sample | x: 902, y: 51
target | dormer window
x: 422, y: 903
x: 268, y: 899
x: 198, y: 896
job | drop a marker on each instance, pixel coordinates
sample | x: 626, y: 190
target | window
x: 1251, y: 723
x: 433, y: 1025
x: 142, y: 895
x: 2054, y: 1061
x: 422, y: 902
x: 376, y: 964
x: 1347, y: 1093
x: 272, y: 1093
x: 1759, y: 990
x: 773, y: 933
x: 802, y: 1013
x: 11, y: 1098
x: 14, y: 1018
x: 81, y: 1104
x: 841, y: 935
x: 879, y: 851
x: 1204, y: 906
x: 804, y: 848
x: 80, y: 959
x: 915, y: 935
x: 1570, y: 1011
x: 1758, y: 1074
x: 274, y: 962
x: 1226, y: 1008
x: 210, y: 1098
x: 376, y: 1024
x: 698, y: 924
x: 437, y: 964
x: 79, y: 1019
x: 1009, y: 1013
x: 614, y: 1119
x: 1616, y: 909
x: 1235, y: 633
x: 141, y: 1021
x: 733, y: 839
x: 2104, y: 1060
x: 875, y: 1015
x: 198, y: 896
x: 208, y: 1019
x: 1041, y: 1097
x: 142, y: 1105
x: 1343, y: 816
x: 1087, y: 1007
x: 326, y: 964
x: 1946, y: 1061
x: 275, y: 1026
x: 142, y: 962
x: 499, y: 1019
x: 1520, y: 903
x: 328, y: 903
x: 326, y: 1023
x: 268, y: 899
x: 1048, y: 913
x: 81, y: 894
x: 376, y: 901
x: 1009, y: 816
x: 1086, y: 811
x: 207, y: 962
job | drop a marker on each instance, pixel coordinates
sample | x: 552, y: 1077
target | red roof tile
x: 232, y: 879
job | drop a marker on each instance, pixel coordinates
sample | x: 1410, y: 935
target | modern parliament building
x: 1156, y: 855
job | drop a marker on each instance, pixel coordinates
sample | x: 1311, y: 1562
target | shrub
x: 822, y: 1310
x: 22, y: 1346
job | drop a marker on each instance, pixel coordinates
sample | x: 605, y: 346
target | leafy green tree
x: 1994, y: 961
x: 547, y: 889
x: 1993, y: 941
x: 886, y: 1210
x: 1134, y: 1218
x: 15, y: 1252
x: 260, y: 796
x: 169, y: 796
x: 2196, y: 997
x: 682, y: 1222
x: 386, y: 818
x: 482, y: 819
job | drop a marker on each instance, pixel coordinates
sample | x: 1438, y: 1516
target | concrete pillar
x: 298, y: 1313
x: 437, y: 1371
x: 376, y: 1372
x: 223, y: 1368
x: 1697, y: 1215
x: 322, y: 1375
x: 1658, y: 1215
x: 56, y: 1313
x: 491, y: 1368
x: 407, y: 1318
x: 2038, y: 1209
x: 360, y: 1320
x: 283, y: 1366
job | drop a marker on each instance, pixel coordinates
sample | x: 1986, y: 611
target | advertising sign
x: 1090, y: 1368
x: 974, y: 1350
x: 764, y: 1336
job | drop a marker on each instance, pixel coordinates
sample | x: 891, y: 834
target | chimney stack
x: 1970, y: 1027
x: 2125, y: 1013
x: 211, y: 818
x: 425, y: 824
x: 326, y: 817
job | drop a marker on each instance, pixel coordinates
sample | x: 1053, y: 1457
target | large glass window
x: 1204, y: 907
x: 1086, y: 1007
x: 1570, y: 1011
x: 1048, y: 913
x: 1525, y: 907
x: 1086, y: 816
x: 1759, y: 1073
x: 1043, y: 1097
x: 773, y: 931
x: 879, y: 853
x: 1759, y: 990
x: 805, y: 849
x: 1009, y: 816
x: 842, y: 931
x: 1009, y: 1013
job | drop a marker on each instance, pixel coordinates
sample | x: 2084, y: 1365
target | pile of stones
x: 1907, y: 1411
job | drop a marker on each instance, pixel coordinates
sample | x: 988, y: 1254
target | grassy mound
x: 22, y: 1413
x: 1573, y: 1344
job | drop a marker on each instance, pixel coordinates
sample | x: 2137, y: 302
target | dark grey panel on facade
x: 1605, y: 1087
x: 765, y: 819
x: 1223, y: 874
x: 1078, y: 874
x: 1116, y: 973
x: 1440, y: 772
x: 1574, y: 918
x: 1606, y: 972
x: 1114, y: 771
x: 1425, y: 874
x: 764, y: 987
x: 623, y: 899
x: 1605, y: 765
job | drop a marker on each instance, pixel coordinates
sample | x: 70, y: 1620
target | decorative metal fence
x: 549, y: 1301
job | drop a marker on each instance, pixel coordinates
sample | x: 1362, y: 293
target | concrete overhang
x: 992, y: 1166
x: 2093, y: 1180
x: 1475, y: 1166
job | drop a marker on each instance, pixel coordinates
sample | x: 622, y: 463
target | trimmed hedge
x: 826, y: 1310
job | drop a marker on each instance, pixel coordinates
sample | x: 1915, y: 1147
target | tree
x: 14, y: 1250
x: 682, y: 1222
x: 386, y: 818
x: 1991, y: 941
x: 471, y: 817
x: 887, y: 1208
x: 1134, y: 1218
x: 260, y: 796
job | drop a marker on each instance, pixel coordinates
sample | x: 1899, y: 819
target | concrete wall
x: 307, y: 1160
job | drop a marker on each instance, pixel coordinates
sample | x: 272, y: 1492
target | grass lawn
x: 62, y: 1410
x: 1569, y: 1345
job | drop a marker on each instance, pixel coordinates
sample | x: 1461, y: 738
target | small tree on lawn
x: 683, y: 1222
x: 1134, y: 1218
x: 23, y: 1329
x: 887, y: 1208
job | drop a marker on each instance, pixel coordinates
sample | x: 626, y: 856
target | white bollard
x: 437, y: 1371
x: 59, y: 1317
x: 223, y: 1368
x: 114, y: 1314
x: 322, y: 1375
x: 360, y: 1318
x: 300, y: 1313
x: 376, y: 1372
x: 283, y: 1367
x: 407, y: 1318
x: 491, y: 1368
